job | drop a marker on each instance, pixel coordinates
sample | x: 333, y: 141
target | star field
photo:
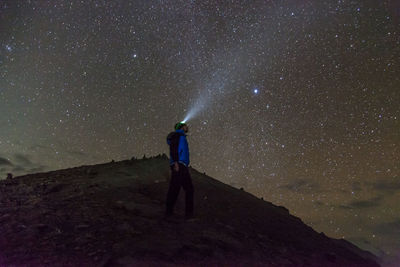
x: 297, y: 102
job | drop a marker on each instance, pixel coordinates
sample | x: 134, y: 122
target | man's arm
x: 174, y: 150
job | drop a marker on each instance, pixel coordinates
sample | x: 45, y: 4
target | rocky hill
x: 113, y: 215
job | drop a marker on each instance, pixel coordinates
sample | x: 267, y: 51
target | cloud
x: 319, y: 203
x: 18, y: 169
x: 22, y: 164
x: 22, y: 160
x: 76, y: 153
x: 356, y: 186
x: 39, y: 168
x: 386, y: 186
x: 5, y: 162
x: 364, y: 243
x: 391, y: 228
x: 363, y: 204
x: 36, y: 147
x: 301, y: 186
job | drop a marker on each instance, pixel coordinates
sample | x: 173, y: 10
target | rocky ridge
x: 112, y: 215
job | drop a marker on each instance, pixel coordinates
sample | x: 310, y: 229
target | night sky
x: 296, y: 101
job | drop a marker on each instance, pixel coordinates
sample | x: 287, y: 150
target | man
x: 180, y: 176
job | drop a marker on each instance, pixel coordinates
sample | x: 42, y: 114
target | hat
x: 179, y: 125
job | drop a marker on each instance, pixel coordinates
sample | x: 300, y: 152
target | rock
x: 34, y: 201
x: 41, y: 226
x: 91, y: 172
x: 11, y: 182
x: 92, y: 253
x: 93, y: 185
x: 117, y: 246
x: 104, y: 261
x: 121, y: 222
x: 126, y: 261
x: 81, y: 226
x: 54, y: 188
x: 5, y: 217
x: 129, y: 206
x: 21, y: 227
x: 330, y: 257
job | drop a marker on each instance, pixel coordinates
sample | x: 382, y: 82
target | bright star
x: 255, y: 91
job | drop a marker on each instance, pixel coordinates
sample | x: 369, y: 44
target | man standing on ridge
x: 180, y: 176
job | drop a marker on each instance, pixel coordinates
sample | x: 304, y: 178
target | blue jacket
x: 178, y: 147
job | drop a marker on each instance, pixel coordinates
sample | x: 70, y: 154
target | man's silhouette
x: 180, y: 176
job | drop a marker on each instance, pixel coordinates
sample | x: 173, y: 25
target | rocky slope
x: 112, y: 215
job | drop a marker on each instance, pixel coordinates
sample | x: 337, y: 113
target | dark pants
x: 178, y: 179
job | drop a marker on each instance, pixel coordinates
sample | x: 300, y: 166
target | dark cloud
x: 22, y: 165
x: 18, y: 169
x: 23, y: 160
x: 36, y: 147
x: 363, y: 204
x: 37, y: 169
x: 391, y: 228
x: 319, y: 203
x: 386, y: 187
x: 356, y: 186
x: 4, y: 161
x: 301, y: 186
x: 361, y: 241
x: 77, y: 153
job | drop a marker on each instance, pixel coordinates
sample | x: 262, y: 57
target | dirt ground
x: 113, y: 215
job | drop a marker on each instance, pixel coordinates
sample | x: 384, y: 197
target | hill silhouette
x: 113, y: 215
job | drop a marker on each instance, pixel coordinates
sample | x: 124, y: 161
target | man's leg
x: 173, y: 192
x: 189, y: 191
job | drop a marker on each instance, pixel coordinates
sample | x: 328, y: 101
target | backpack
x: 173, y: 142
x: 173, y: 137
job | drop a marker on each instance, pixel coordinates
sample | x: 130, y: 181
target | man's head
x: 183, y: 126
